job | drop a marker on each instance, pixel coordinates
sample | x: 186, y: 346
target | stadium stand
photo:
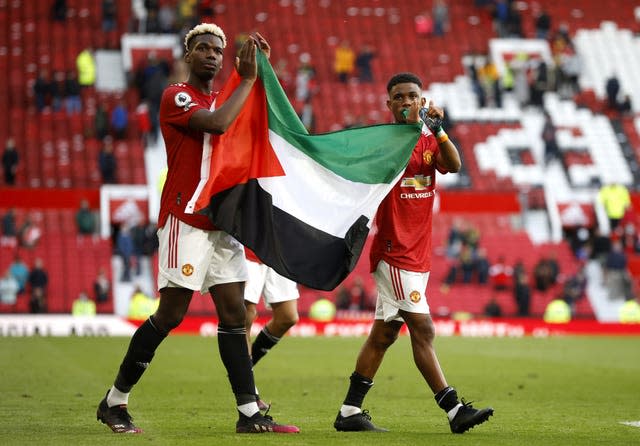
x: 501, y: 146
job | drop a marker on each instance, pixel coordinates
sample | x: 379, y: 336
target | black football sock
x: 262, y: 344
x: 142, y: 348
x: 232, y: 342
x: 447, y: 398
x: 358, y: 389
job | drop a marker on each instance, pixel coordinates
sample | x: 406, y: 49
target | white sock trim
x: 453, y: 412
x: 347, y: 411
x: 117, y: 398
x: 249, y: 409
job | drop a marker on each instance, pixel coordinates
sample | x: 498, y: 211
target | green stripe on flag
x: 371, y: 155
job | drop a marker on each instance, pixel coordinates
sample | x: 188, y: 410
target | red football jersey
x: 403, y: 220
x: 185, y: 148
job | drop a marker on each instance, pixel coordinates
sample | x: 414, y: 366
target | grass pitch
x: 554, y: 391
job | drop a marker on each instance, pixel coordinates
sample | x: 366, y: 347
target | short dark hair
x: 402, y: 78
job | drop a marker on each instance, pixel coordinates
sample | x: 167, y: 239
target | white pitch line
x: 630, y: 423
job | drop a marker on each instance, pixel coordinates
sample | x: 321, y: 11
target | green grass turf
x: 555, y: 391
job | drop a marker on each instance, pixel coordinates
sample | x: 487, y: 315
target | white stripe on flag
x: 316, y: 195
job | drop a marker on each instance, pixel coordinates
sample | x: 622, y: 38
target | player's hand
x: 262, y: 44
x: 246, y: 60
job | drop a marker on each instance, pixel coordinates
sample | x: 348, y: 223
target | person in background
x: 101, y: 286
x: 83, y: 305
x: 10, y: 160
x: 20, y: 271
x: 281, y: 295
x: 85, y: 219
x: 9, y: 288
x: 616, y: 200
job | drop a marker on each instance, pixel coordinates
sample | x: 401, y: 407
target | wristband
x: 441, y: 136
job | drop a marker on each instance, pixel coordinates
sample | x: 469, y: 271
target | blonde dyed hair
x: 205, y: 28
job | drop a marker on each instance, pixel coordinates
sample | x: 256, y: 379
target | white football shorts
x: 399, y: 289
x: 196, y: 259
x: 264, y: 281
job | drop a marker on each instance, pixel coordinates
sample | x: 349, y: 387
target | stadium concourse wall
x: 103, y: 325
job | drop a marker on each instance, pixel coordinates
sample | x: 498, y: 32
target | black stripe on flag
x: 294, y: 249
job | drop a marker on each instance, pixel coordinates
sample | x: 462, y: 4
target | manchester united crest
x: 187, y: 269
x: 427, y: 156
x: 415, y: 296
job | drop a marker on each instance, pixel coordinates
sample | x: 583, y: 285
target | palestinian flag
x: 303, y: 203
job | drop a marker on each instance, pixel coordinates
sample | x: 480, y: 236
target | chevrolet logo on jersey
x: 419, y: 182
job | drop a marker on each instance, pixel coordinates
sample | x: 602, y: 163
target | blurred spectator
x: 187, y: 14
x: 551, y: 149
x: 29, y: 233
x: 167, y: 19
x: 83, y: 305
x: 57, y: 90
x: 557, y: 312
x: 125, y: 248
x: 579, y: 241
x: 363, y: 63
x: 493, y: 308
x: 151, y: 80
x: 522, y: 293
x: 616, y: 277
x: 9, y: 288
x: 206, y: 11
x: 59, y: 10
x: 101, y: 122
x: 540, y: 83
x: 575, y: 288
x: 37, y: 301
x: 440, y: 12
x: 72, y: 101
x: 543, y: 24
x: 359, y: 298
x: 482, y: 266
x: 501, y: 274
x: 42, y: 89
x: 612, y: 88
x: 101, y: 286
x: 141, y: 306
x: 109, y: 15
x: 344, y: 61
x: 630, y: 312
x: 514, y: 21
x: 423, y: 24
x: 305, y: 83
x: 570, y: 66
x: 545, y: 273
x: 86, y: 66
x: 9, y: 229
x: 500, y: 15
x: 630, y: 238
x: 139, y: 15
x: 20, y: 272
x: 616, y: 200
x: 284, y: 76
x: 490, y: 82
x: 455, y: 238
x: 625, y: 106
x: 10, y: 160
x: 307, y: 116
x: 119, y: 120
x: 38, y: 281
x: 143, y: 121
x: 600, y: 246
x: 107, y: 162
x: 85, y: 219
